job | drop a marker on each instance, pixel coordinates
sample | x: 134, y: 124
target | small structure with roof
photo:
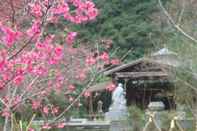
x: 147, y: 79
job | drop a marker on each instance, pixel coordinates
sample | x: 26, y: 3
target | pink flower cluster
x: 14, y: 102
x: 10, y: 36
x: 34, y: 64
x: 36, y: 9
x: 85, y: 11
x: 57, y: 125
x: 71, y: 37
x: 104, y: 57
x: 110, y: 87
x: 34, y: 30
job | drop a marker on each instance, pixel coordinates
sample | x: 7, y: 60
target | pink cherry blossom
x: 35, y: 64
x: 6, y: 99
x: 46, y: 126
x: 29, y: 67
x: 17, y: 100
x: 61, y: 9
x: 1, y: 85
x: 87, y: 94
x: 54, y: 110
x: 20, y: 71
x: 61, y: 125
x: 3, y: 61
x: 10, y: 36
x: 46, y: 2
x: 18, y: 80
x: 110, y: 87
x: 40, y: 70
x: 71, y: 99
x: 115, y: 62
x: 31, y: 129
x: 46, y: 110
x: 90, y: 60
x: 52, y: 61
x: 70, y: 38
x: 36, y: 9
x: 58, y: 51
x: 60, y: 78
x: 36, y: 104
x: 76, y: 19
x: 89, y: 4
x: 92, y: 13
x: 105, y: 57
x: 76, y: 2
x: 2, y: 64
x: 82, y: 75
x: 5, y: 113
x: 71, y: 87
x: 40, y: 45
x: 35, y: 29
x: 53, y: 19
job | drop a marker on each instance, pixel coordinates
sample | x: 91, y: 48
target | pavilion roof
x: 145, y: 65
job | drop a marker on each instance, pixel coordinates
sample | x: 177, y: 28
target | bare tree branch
x: 176, y: 26
x: 181, y: 14
x: 76, y: 99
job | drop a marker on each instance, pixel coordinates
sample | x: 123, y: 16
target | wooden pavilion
x: 144, y: 80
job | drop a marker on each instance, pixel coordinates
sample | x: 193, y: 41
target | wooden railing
x: 152, y: 125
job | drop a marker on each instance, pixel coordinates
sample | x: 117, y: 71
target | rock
x: 156, y: 106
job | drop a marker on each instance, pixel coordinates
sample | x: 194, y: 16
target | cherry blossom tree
x: 33, y: 63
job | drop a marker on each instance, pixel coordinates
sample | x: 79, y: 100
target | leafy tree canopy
x: 129, y: 23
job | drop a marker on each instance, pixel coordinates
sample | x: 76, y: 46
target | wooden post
x: 125, y: 89
x: 195, y: 116
x: 125, y: 83
x: 174, y: 125
x: 91, y: 108
x: 151, y: 124
x: 196, y: 123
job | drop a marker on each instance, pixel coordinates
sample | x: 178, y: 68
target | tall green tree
x: 129, y: 23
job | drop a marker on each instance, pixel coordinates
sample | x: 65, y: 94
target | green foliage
x: 17, y: 125
x: 75, y: 111
x: 127, y: 22
x: 185, y: 49
x: 136, y: 118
